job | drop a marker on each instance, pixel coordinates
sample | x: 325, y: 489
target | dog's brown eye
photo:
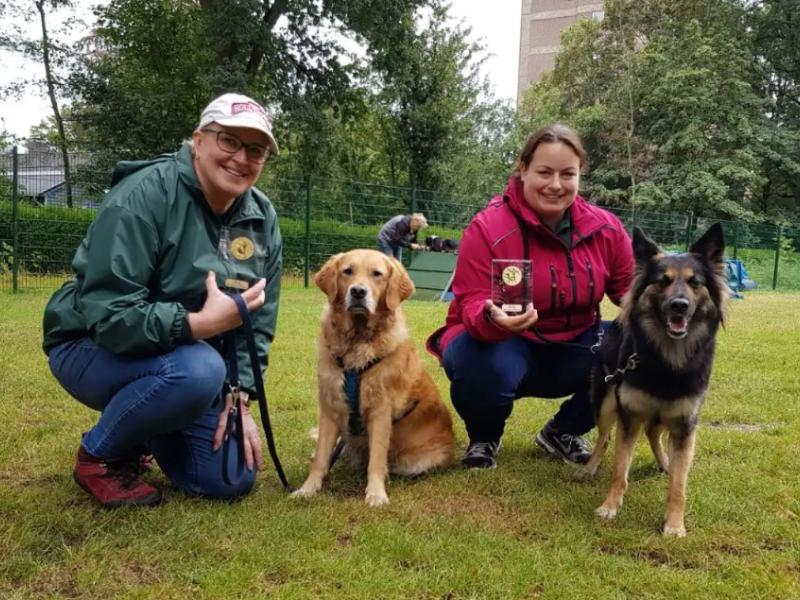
x: 347, y: 271
x: 694, y: 282
x: 377, y: 273
x: 665, y: 280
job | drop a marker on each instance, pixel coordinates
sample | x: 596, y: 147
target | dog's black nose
x: 679, y: 305
x: 358, y: 292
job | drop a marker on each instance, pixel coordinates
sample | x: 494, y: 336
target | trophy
x: 512, y: 289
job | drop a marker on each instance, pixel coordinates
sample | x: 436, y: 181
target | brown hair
x: 557, y: 132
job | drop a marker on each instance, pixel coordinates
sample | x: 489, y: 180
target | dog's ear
x: 711, y: 245
x: 327, y: 276
x: 400, y: 286
x: 643, y: 247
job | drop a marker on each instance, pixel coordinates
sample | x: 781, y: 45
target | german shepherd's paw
x: 607, y: 512
x: 378, y: 498
x: 588, y: 471
x: 679, y: 531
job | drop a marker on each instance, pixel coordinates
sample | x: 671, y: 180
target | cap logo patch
x: 240, y: 107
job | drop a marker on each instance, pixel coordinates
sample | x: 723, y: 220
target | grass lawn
x: 524, y: 530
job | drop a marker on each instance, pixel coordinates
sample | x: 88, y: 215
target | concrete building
x: 540, y: 34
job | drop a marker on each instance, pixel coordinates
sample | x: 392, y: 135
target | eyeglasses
x: 230, y: 144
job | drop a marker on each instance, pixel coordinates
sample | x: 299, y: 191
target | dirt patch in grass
x: 743, y: 427
x: 56, y: 582
x: 655, y: 556
x: 476, y: 510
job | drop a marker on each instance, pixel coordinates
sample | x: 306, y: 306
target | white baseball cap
x: 237, y: 110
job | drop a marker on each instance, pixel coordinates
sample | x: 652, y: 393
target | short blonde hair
x: 419, y: 220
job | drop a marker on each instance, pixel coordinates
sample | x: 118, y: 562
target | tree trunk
x: 51, y: 91
x: 271, y: 15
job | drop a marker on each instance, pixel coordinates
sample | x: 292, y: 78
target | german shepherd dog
x: 654, y: 365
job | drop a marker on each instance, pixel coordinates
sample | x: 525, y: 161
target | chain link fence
x: 42, y: 221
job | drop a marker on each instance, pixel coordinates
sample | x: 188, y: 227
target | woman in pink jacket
x: 578, y: 253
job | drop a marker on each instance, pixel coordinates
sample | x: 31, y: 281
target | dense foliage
x: 684, y: 105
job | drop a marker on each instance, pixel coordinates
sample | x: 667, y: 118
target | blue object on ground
x: 738, y: 279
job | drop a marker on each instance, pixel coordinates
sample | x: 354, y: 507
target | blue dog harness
x: 352, y: 387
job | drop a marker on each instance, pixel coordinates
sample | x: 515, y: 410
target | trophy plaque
x: 511, y: 284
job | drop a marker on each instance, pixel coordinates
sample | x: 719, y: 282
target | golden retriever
x: 401, y: 424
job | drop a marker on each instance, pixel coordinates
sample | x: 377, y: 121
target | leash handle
x: 247, y: 325
x: 233, y: 467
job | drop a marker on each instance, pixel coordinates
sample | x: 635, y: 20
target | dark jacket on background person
x: 143, y: 263
x: 569, y: 281
x: 397, y: 232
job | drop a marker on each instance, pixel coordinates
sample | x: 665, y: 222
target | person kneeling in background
x: 401, y: 232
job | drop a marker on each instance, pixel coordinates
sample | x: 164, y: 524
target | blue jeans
x: 486, y: 378
x: 390, y: 249
x: 167, y: 404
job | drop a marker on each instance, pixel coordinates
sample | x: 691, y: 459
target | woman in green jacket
x: 137, y: 334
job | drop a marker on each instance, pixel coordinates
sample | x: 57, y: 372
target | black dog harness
x: 618, y: 374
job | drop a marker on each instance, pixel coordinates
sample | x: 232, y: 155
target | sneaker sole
x: 486, y: 468
x: 153, y: 499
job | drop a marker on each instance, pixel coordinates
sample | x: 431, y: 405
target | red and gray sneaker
x: 114, y: 483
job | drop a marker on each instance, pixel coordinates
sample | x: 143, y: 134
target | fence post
x: 307, y: 261
x: 735, y: 239
x: 413, y: 200
x: 15, y: 220
x: 689, y: 230
x: 777, y: 256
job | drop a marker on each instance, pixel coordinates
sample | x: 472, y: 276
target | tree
x: 52, y: 88
x: 774, y: 27
x: 662, y: 90
x: 153, y: 65
x: 428, y: 75
x: 53, y: 55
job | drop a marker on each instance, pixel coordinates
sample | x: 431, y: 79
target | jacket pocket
x: 590, y: 271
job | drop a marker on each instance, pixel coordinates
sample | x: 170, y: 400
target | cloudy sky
x: 496, y: 24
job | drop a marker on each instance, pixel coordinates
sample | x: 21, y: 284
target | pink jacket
x: 568, y: 283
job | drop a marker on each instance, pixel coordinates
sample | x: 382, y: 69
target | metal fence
x: 41, y: 224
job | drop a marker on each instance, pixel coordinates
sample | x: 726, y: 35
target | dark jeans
x: 390, y: 249
x: 167, y: 404
x: 486, y: 378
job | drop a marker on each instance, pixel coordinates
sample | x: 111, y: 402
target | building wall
x: 540, y: 34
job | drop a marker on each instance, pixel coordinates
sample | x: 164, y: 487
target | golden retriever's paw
x: 376, y: 498
x: 607, y: 512
x: 679, y: 531
x: 306, y: 490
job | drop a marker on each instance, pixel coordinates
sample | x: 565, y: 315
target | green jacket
x: 143, y: 263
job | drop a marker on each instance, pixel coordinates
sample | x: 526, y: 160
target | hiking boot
x: 481, y: 455
x: 114, y: 483
x: 566, y: 446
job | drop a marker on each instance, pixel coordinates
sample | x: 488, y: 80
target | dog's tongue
x: 677, y: 324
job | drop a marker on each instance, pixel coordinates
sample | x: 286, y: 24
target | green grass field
x: 524, y: 530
